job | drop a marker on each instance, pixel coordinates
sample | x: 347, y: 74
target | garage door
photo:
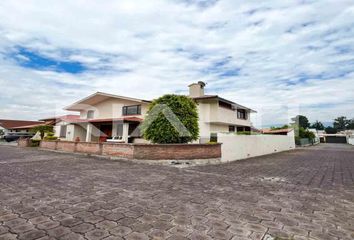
x: 333, y: 139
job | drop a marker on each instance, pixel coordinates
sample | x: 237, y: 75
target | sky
x: 278, y: 57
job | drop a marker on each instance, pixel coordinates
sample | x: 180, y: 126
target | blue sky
x: 278, y: 57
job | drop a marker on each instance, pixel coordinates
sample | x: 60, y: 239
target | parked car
x: 13, y: 136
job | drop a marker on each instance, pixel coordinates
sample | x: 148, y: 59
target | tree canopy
x: 171, y: 119
x: 301, y: 121
x: 318, y: 125
x: 331, y: 130
x: 42, y: 129
x: 351, y: 124
x: 341, y: 123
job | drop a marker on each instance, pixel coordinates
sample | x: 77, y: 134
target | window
x: 63, y: 131
x: 132, y: 110
x: 241, y: 114
x: 225, y: 105
x: 90, y: 114
x: 231, y: 128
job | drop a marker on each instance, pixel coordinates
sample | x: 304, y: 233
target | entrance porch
x: 123, y: 130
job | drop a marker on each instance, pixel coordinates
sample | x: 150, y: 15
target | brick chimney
x: 196, y: 89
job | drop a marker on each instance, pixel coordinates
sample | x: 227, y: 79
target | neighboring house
x: 18, y: 125
x: 60, y: 124
x: 286, y: 131
x: 105, y: 115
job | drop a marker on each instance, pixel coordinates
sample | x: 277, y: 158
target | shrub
x: 42, y: 129
x: 244, y: 133
x: 50, y: 136
x: 34, y: 143
x: 171, y: 119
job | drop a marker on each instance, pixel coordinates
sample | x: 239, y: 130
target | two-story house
x: 105, y: 115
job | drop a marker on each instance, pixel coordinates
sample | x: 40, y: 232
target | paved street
x: 302, y: 194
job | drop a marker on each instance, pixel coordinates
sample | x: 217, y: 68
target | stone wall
x: 139, y: 151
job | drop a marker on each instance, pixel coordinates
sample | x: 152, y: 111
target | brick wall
x: 23, y: 142
x: 49, y: 144
x: 87, y: 147
x: 177, y: 151
x: 118, y: 150
x: 66, y: 146
x: 139, y: 151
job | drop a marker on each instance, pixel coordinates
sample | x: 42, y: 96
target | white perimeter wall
x: 351, y: 140
x: 236, y: 147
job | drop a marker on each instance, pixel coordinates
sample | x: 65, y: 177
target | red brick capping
x: 139, y: 151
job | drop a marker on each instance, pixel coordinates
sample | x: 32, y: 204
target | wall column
x: 114, y: 129
x: 89, y: 132
x: 125, y: 132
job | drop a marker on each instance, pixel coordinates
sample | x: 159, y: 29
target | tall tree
x: 301, y: 121
x: 171, y: 119
x: 351, y: 124
x: 331, y: 130
x: 341, y: 123
x: 318, y: 125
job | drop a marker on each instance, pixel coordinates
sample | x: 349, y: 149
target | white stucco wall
x: 74, y: 131
x: 4, y: 130
x: 112, y: 108
x: 351, y: 140
x: 215, y: 119
x: 236, y: 147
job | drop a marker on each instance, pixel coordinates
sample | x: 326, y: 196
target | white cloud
x: 297, y: 53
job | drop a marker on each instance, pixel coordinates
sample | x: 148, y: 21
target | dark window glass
x: 132, y: 110
x: 63, y: 131
x: 225, y: 105
x: 90, y: 114
x: 231, y: 128
x: 241, y: 114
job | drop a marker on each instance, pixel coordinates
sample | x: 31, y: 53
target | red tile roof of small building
x: 10, y: 124
x: 64, y: 117
x: 286, y: 130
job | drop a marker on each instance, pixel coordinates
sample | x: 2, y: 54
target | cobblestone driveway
x: 304, y: 194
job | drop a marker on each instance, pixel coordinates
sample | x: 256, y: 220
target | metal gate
x: 336, y: 139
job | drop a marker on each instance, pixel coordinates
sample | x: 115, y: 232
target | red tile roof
x: 64, y: 117
x: 10, y: 124
x: 270, y: 131
x: 29, y: 126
